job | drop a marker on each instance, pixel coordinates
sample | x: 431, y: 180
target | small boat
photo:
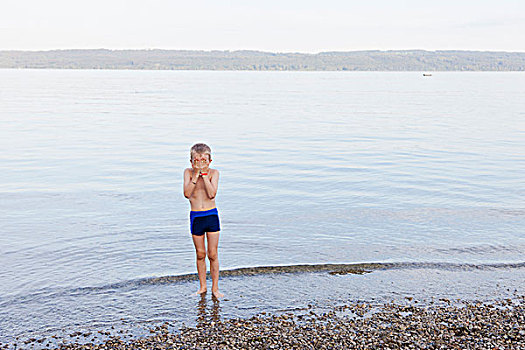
x: 427, y: 74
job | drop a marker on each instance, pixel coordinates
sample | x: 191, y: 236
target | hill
x: 399, y: 60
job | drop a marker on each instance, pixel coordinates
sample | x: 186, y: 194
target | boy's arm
x: 212, y: 185
x: 190, y: 180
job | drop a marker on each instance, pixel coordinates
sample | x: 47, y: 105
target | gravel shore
x: 360, y: 325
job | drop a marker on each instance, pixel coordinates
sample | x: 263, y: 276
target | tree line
x: 395, y: 60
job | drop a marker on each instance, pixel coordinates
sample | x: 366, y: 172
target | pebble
x: 461, y: 325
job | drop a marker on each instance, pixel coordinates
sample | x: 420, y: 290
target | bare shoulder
x: 187, y: 171
x: 214, y: 172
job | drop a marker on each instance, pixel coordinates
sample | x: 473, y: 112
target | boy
x: 200, y: 187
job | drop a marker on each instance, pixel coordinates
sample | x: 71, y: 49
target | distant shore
x: 446, y: 323
x: 246, y: 60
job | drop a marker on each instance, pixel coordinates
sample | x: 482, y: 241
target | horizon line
x: 255, y: 50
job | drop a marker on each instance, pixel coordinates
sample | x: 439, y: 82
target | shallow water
x: 137, y: 306
x: 316, y: 168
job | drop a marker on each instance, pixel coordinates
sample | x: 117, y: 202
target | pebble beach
x: 440, y: 324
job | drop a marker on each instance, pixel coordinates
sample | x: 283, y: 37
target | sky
x: 266, y: 25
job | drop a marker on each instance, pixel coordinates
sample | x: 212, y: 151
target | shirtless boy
x: 200, y: 187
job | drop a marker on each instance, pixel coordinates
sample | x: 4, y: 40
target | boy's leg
x: 213, y: 243
x: 200, y: 250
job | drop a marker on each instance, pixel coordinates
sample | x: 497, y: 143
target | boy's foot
x: 201, y: 291
x: 217, y: 294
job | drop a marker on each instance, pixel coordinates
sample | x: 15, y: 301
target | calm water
x: 316, y: 167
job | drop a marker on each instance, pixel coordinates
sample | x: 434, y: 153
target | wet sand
x: 411, y: 324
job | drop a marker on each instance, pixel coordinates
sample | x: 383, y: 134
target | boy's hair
x: 200, y: 148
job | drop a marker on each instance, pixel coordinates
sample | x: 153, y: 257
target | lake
x: 316, y: 168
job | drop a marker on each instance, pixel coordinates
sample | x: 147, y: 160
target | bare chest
x: 200, y: 187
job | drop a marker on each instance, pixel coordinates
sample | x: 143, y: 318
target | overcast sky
x: 267, y: 25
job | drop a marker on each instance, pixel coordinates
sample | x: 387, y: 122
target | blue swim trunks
x: 204, y: 221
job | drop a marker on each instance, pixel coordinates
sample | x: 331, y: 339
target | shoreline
x: 127, y: 314
x: 254, y: 60
x: 358, y: 324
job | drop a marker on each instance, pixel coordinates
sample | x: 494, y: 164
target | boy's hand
x: 196, y: 172
x: 203, y: 165
x: 196, y: 165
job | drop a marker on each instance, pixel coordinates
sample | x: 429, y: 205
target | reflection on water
x: 208, y: 311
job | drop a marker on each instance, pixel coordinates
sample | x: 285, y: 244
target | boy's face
x: 200, y: 160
